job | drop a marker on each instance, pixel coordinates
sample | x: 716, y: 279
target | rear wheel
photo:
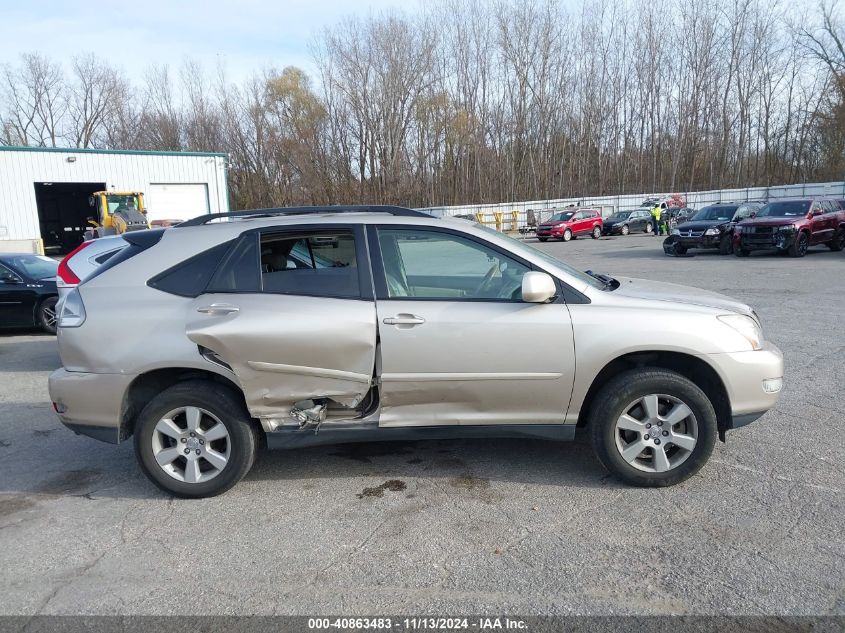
x: 647, y: 228
x: 47, y: 318
x: 195, y: 439
x: 652, y: 427
x: 596, y: 232
x: 838, y: 242
x: 625, y: 230
x: 800, y: 245
x: 567, y: 235
x: 726, y: 245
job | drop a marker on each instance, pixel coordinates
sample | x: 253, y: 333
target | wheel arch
x: 691, y: 367
x: 149, y: 384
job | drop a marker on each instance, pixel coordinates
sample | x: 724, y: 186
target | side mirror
x: 9, y: 278
x: 538, y: 287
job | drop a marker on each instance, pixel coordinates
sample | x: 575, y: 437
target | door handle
x: 403, y: 319
x: 219, y: 308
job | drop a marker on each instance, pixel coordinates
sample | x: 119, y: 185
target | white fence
x: 695, y: 199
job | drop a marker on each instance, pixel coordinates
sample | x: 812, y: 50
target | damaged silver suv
x: 297, y: 327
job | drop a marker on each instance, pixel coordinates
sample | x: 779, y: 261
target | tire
x: 726, y: 245
x: 47, y: 317
x: 596, y: 234
x: 800, y: 245
x: 219, y: 405
x: 647, y: 228
x: 838, y: 242
x: 543, y: 239
x: 627, y: 393
x: 625, y: 230
x: 567, y: 235
x: 680, y: 250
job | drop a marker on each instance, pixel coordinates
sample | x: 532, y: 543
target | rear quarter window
x: 190, y: 277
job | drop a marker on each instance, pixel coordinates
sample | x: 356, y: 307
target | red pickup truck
x: 792, y: 225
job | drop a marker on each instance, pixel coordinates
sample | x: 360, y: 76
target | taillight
x: 64, y: 272
x: 71, y: 310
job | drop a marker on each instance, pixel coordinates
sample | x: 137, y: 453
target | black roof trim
x: 267, y: 213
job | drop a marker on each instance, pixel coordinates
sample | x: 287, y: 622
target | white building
x: 44, y: 192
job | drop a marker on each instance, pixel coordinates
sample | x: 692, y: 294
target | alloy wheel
x: 625, y: 230
x: 49, y: 313
x: 191, y: 445
x: 656, y: 433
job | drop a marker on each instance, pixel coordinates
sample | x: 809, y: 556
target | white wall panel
x: 20, y: 169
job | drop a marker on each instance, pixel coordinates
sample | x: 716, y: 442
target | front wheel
x: 47, y: 315
x: 567, y: 235
x: 195, y: 439
x: 625, y: 229
x: 726, y: 245
x: 800, y: 245
x: 596, y: 232
x: 652, y: 427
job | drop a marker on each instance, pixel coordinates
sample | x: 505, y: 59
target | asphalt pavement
x: 449, y: 527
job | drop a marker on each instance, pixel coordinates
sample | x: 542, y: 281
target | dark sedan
x: 28, y: 293
x: 624, y: 222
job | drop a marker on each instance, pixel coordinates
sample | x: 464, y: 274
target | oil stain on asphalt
x: 393, y: 485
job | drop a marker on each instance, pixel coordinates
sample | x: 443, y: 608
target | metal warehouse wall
x: 695, y: 199
x: 21, y: 168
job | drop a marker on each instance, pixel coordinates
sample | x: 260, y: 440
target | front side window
x: 437, y: 265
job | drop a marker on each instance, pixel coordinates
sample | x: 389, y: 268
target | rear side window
x: 316, y: 264
x: 190, y: 277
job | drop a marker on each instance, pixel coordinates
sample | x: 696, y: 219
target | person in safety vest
x: 655, y: 216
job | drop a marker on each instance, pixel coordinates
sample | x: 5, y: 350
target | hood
x: 775, y: 220
x: 700, y: 225
x: 609, y: 222
x: 676, y: 293
x: 549, y: 225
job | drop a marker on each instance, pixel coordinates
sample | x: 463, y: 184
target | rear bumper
x: 90, y: 404
x: 753, y: 379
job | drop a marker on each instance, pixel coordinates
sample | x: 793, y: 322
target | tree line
x: 472, y: 101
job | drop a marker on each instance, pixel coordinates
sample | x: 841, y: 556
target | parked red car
x: 570, y: 223
x: 791, y: 226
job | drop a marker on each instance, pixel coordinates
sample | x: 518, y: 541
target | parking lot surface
x: 481, y: 526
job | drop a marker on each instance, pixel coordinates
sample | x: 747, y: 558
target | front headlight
x: 789, y: 228
x: 712, y: 231
x: 746, y: 326
x: 676, y: 231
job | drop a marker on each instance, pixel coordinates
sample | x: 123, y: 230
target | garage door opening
x: 63, y: 213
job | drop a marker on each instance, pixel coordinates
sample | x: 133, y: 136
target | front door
x: 291, y: 312
x: 458, y: 345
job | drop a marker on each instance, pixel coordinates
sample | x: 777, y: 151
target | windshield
x: 724, y: 213
x: 536, y: 252
x: 33, y: 266
x: 785, y: 208
x: 561, y: 217
x: 620, y: 215
x: 122, y: 202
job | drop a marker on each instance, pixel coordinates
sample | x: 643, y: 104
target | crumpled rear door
x: 286, y: 348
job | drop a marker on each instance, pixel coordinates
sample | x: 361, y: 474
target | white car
x: 82, y: 261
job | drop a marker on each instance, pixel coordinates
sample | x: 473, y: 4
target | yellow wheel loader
x: 116, y: 212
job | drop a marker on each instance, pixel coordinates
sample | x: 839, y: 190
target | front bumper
x: 611, y: 230
x: 90, y: 404
x: 750, y: 378
x: 703, y: 241
x: 780, y: 240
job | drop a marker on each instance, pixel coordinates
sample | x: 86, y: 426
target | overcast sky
x: 244, y: 34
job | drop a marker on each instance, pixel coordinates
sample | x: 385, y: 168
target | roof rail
x: 267, y: 213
